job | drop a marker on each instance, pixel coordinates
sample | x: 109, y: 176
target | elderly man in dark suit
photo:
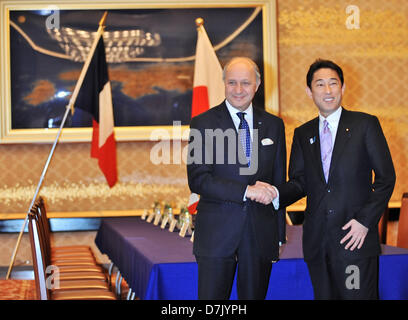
x: 236, y: 152
x: 332, y: 162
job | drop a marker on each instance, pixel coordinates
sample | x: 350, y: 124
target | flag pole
x: 69, y: 107
x: 87, y: 62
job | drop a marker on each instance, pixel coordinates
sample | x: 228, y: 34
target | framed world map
x: 150, y: 49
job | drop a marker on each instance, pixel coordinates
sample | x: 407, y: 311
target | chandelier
x: 120, y: 45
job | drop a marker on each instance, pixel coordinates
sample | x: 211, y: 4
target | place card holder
x: 164, y: 222
x: 168, y: 216
x: 157, y: 217
x: 185, y: 229
x: 186, y: 226
x: 151, y: 216
x: 173, y: 224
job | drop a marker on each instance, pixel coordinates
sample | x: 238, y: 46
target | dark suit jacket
x: 360, y: 149
x: 221, y: 211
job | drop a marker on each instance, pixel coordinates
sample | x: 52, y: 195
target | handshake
x: 261, y: 192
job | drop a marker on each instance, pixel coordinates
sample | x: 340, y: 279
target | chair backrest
x: 382, y: 226
x: 45, y: 227
x: 43, y: 213
x: 402, y: 238
x: 39, y: 263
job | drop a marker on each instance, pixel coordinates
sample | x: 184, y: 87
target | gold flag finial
x: 199, y: 22
x: 102, y: 21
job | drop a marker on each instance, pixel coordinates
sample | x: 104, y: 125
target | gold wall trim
x: 78, y: 214
x: 132, y: 213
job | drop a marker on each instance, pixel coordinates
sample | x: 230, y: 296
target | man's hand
x: 356, y: 235
x: 261, y: 192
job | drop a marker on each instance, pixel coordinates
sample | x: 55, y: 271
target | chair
x: 73, y: 262
x: 402, y: 238
x: 67, y: 258
x: 61, y: 249
x: 382, y: 226
x: 68, y: 288
x: 69, y: 266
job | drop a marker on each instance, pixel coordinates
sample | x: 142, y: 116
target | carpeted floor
x: 17, y: 289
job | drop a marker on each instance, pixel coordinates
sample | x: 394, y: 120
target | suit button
x: 328, y: 190
x: 330, y: 211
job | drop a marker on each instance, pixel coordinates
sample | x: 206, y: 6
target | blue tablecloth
x: 159, y: 265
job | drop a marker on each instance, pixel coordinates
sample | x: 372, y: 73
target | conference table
x: 159, y: 265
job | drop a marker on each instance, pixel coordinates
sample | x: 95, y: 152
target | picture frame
x: 13, y: 131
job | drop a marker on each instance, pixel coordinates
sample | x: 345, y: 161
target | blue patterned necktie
x: 244, y: 135
x: 326, y: 147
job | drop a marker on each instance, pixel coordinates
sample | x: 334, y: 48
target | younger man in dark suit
x: 332, y: 162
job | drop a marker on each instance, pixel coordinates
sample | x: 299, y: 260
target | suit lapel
x: 224, y: 118
x: 342, y: 137
x: 260, y: 129
x: 225, y: 122
x: 314, y: 145
x: 258, y: 133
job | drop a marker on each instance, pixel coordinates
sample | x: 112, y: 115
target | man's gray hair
x: 244, y: 59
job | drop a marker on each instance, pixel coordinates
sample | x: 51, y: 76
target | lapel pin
x: 312, y: 140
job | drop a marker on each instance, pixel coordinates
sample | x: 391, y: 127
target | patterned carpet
x: 21, y: 285
x: 17, y: 289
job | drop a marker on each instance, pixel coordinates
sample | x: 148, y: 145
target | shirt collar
x: 233, y: 111
x: 333, y: 119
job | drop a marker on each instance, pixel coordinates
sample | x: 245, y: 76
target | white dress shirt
x: 249, y: 117
x: 333, y: 121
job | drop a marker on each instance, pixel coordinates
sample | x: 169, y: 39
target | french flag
x: 95, y: 97
x: 208, y: 86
